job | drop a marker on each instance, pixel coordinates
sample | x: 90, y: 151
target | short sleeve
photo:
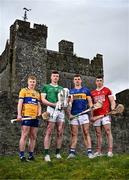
x: 22, y: 93
x: 70, y: 92
x: 88, y: 92
x: 109, y: 92
x: 39, y: 96
x: 43, y: 89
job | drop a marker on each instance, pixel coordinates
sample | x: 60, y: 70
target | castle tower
x: 27, y: 53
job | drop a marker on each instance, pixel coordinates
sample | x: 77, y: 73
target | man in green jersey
x: 49, y: 97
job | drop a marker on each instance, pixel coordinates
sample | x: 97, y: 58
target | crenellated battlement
x: 24, y: 26
x: 23, y: 31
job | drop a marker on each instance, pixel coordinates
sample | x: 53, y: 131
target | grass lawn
x: 79, y: 168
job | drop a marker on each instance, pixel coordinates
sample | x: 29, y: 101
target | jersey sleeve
x: 39, y: 97
x: 22, y: 93
x: 88, y: 92
x: 43, y: 89
x: 109, y: 92
x: 70, y: 92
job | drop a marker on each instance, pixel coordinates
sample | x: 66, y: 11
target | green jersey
x: 51, y: 92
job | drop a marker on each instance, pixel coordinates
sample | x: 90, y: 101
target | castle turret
x: 66, y: 47
x: 96, y: 67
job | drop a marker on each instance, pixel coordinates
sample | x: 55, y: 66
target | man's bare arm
x: 90, y: 103
x: 19, y: 109
x: 46, y: 102
x: 39, y: 109
x: 112, y: 102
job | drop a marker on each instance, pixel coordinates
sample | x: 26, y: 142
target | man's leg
x: 47, y: 139
x: 107, y: 128
x: 74, y: 136
x: 86, y: 135
x: 22, y: 143
x: 60, y: 130
x: 98, y: 130
x: 32, y: 141
x: 87, y: 139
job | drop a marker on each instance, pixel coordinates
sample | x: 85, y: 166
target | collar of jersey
x: 100, y: 88
x: 30, y: 89
x: 54, y: 85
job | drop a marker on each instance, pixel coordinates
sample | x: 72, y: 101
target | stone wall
x: 68, y: 65
x: 5, y: 69
x: 29, y: 59
x: 121, y: 123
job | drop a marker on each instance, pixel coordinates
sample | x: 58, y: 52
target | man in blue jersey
x: 81, y: 100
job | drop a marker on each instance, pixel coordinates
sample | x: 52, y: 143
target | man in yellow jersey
x: 28, y: 106
x: 49, y: 97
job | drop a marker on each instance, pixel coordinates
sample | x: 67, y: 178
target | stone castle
x: 26, y: 53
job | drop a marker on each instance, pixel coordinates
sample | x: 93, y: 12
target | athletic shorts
x: 31, y: 123
x: 56, y: 116
x: 83, y: 119
x: 102, y: 121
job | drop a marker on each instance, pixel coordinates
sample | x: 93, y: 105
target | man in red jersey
x: 103, y: 94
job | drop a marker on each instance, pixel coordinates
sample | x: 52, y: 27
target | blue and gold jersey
x: 30, y: 102
x: 80, y: 102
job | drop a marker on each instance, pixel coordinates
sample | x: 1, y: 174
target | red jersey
x: 101, y: 95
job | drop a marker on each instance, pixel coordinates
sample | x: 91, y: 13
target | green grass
x: 73, y: 169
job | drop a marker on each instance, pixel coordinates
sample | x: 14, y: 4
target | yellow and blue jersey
x: 80, y: 102
x: 30, y: 102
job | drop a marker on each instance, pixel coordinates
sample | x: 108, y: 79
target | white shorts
x: 83, y: 119
x: 56, y: 116
x: 102, y: 121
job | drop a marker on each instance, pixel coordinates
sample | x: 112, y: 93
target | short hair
x: 77, y: 75
x: 32, y: 77
x: 54, y: 72
x: 99, y: 77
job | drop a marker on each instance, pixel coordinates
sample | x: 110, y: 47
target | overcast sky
x: 95, y: 26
